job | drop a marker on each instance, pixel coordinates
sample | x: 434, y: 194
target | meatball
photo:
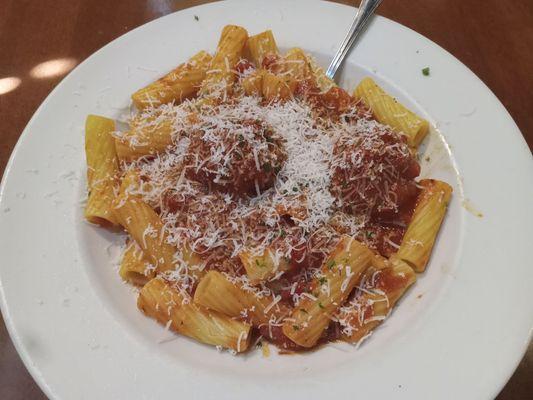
x: 241, y: 159
x: 373, y: 171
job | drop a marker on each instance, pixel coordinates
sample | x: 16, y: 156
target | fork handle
x: 365, y: 11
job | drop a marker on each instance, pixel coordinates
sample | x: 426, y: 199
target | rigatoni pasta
x: 296, y: 65
x: 332, y: 286
x: 234, y: 299
x: 179, y: 84
x: 220, y: 75
x: 389, y: 111
x: 134, y: 267
x: 261, y: 45
x: 276, y: 87
x: 422, y: 231
x: 324, y: 83
x: 378, y: 290
x: 148, y: 136
x: 102, y: 169
x: 261, y: 267
x: 143, y: 224
x: 263, y: 202
x: 160, y: 301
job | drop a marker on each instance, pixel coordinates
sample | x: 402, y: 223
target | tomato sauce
x: 389, y: 282
x: 275, y: 335
x: 243, y: 66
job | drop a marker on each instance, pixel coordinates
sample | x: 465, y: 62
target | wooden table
x: 494, y: 40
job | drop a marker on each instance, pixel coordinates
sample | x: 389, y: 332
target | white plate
x: 459, y: 333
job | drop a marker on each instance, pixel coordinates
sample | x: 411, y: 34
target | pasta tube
x: 323, y: 82
x: 424, y: 226
x: 179, y: 84
x: 296, y: 65
x: 389, y: 111
x: 221, y: 75
x: 378, y: 291
x: 160, y: 301
x: 147, y: 136
x: 134, y: 267
x: 146, y: 228
x: 261, y: 45
x: 102, y: 169
x: 253, y: 84
x: 143, y: 224
x: 339, y: 275
x: 262, y: 267
x: 276, y: 87
x: 217, y: 293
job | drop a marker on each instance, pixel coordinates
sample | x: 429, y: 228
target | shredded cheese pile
x: 298, y: 163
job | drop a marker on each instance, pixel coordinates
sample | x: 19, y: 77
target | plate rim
x: 10, y: 326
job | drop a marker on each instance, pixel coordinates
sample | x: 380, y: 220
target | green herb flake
x: 425, y: 71
x: 320, y: 305
x: 196, y: 18
x: 294, y: 189
x: 296, y: 327
x: 331, y: 264
x: 369, y: 234
x: 322, y: 280
x: 282, y: 233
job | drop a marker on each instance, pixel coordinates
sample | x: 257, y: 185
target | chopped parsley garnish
x: 369, y: 234
x: 281, y: 233
x: 242, y: 143
x: 196, y: 18
x: 320, y: 305
x: 294, y: 189
x: 331, y: 264
x: 425, y: 71
x: 322, y: 280
x: 296, y: 327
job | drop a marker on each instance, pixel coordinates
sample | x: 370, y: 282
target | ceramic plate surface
x: 458, y: 333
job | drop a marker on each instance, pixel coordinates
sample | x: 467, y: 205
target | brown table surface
x: 494, y: 38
